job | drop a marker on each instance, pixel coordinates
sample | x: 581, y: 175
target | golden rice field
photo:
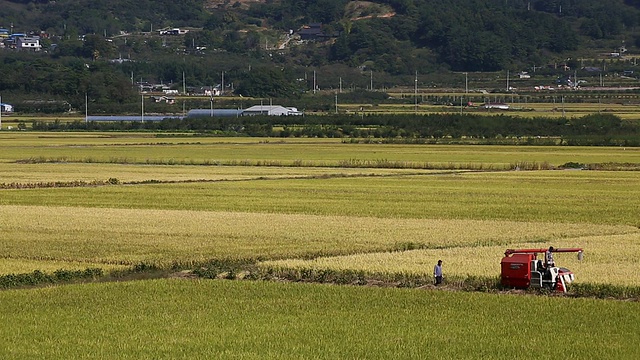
x: 595, y: 197
x: 609, y: 259
x: 143, y: 148
x: 305, y: 211
x: 162, y: 237
x: 292, y: 213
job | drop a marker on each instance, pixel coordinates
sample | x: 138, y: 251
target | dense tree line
x: 594, y: 129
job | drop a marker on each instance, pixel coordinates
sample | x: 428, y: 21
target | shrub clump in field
x: 38, y: 277
x: 573, y: 165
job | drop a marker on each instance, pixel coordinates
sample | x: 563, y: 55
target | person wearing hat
x: 437, y: 272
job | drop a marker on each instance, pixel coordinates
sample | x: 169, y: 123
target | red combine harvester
x: 521, y: 269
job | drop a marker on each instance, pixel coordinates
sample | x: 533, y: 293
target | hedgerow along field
x: 263, y: 218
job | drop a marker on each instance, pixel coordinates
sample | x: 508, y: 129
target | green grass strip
x: 162, y: 319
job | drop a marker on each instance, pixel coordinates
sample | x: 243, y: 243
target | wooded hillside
x: 83, y: 40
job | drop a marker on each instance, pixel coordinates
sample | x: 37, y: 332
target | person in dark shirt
x: 437, y: 273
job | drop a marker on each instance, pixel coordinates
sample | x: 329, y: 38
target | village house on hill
x: 314, y: 32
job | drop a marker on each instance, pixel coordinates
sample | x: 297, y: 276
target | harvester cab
x: 521, y: 268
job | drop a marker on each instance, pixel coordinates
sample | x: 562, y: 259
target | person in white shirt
x: 437, y: 272
x: 548, y: 257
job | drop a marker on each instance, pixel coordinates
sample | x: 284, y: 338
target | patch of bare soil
x: 360, y: 10
x: 185, y: 274
x: 386, y: 15
x: 223, y: 4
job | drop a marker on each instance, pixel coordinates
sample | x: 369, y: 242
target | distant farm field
x: 116, y: 201
x: 187, y: 150
x: 517, y: 108
x: 595, y: 197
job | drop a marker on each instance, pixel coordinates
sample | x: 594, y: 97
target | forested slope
x: 464, y: 35
x: 391, y: 38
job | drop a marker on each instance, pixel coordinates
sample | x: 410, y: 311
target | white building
x: 28, y: 43
x: 524, y: 75
x: 6, y: 108
x: 499, y: 106
x: 174, y: 31
x: 271, y: 110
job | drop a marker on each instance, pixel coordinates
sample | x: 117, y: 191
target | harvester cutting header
x: 522, y: 269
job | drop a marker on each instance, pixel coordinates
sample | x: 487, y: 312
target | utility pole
x: 184, y: 85
x: 314, y: 82
x: 336, y: 103
x: 86, y: 107
x: 507, y: 80
x: 142, y: 108
x: 211, y: 101
x: 371, y: 81
x: 222, y: 85
x: 466, y: 83
x: 340, y: 85
x: 415, y: 93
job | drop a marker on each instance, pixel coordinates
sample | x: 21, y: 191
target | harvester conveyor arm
x: 536, y: 251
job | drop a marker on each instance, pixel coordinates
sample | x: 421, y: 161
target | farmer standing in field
x: 437, y: 272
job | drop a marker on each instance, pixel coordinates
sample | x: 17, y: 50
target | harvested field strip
x: 618, y: 254
x: 257, y: 320
x: 167, y: 237
x: 90, y: 173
